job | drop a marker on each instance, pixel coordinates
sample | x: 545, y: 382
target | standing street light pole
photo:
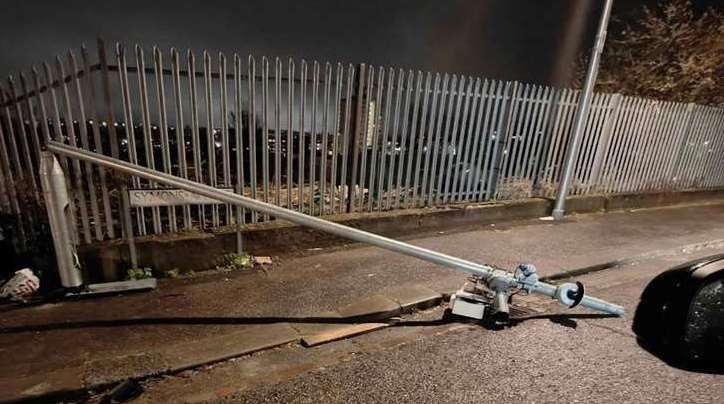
x: 582, y: 113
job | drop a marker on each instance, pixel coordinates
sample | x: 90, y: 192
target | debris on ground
x: 124, y: 391
x: 186, y: 374
x: 135, y: 274
x: 173, y: 273
x: 263, y: 260
x: 21, y: 286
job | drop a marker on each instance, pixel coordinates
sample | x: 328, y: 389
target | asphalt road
x: 571, y: 359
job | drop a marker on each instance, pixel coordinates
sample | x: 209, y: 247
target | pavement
x: 421, y: 358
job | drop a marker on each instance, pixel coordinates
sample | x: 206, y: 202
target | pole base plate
x: 100, y: 289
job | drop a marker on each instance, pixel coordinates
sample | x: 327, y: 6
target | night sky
x: 532, y: 41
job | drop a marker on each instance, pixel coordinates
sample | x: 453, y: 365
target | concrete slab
x: 178, y: 357
x: 414, y: 297
x: 42, y: 386
x: 326, y: 322
x: 327, y: 330
x: 337, y: 332
x: 374, y: 307
x: 248, y: 340
x: 169, y: 359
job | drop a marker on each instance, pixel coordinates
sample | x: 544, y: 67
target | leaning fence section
x: 324, y: 138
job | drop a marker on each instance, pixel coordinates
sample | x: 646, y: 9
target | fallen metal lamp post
x: 470, y: 301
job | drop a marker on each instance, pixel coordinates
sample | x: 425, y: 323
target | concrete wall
x: 197, y: 251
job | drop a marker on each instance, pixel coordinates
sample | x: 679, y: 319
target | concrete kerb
x: 586, y: 204
x: 340, y: 332
x: 414, y: 297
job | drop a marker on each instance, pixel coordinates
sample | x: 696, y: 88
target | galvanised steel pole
x: 582, y: 113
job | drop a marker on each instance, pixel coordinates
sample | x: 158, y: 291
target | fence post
x: 10, y: 190
x: 357, y: 130
x: 126, y: 221
x: 4, y: 193
x: 674, y: 174
x: 548, y: 137
x: 128, y: 226
x: 502, y: 133
x: 605, y: 141
x: 55, y: 192
x: 105, y: 75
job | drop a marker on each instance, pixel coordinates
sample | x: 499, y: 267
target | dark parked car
x: 681, y: 314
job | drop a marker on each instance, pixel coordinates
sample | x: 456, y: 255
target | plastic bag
x: 22, y: 285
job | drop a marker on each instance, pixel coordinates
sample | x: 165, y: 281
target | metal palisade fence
x: 325, y: 139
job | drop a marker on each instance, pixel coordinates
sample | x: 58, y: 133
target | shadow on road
x: 567, y: 320
x: 671, y: 359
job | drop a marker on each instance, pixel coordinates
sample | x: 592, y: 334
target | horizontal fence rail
x: 323, y: 138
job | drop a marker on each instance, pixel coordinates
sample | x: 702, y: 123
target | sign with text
x: 144, y: 198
